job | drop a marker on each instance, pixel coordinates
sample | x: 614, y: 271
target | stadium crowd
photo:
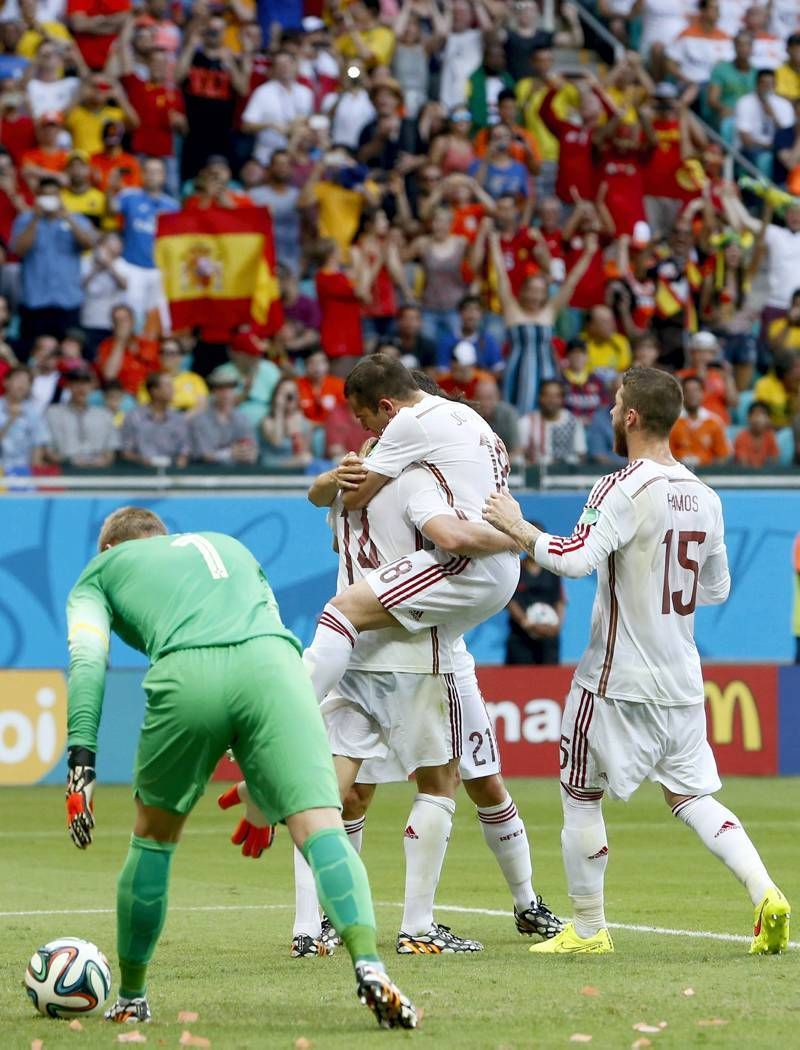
x: 458, y: 184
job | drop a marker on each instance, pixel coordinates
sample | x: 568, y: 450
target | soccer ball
x: 542, y: 614
x: 67, y: 977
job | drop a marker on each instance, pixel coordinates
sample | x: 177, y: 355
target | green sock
x: 142, y: 890
x: 343, y: 891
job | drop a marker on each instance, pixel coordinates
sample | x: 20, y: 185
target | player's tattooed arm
x: 503, y: 511
x: 346, y: 477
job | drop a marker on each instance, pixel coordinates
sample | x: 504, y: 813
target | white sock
x: 327, y: 657
x: 355, y: 831
x: 506, y: 837
x: 425, y: 842
x: 307, y: 918
x: 721, y: 832
x: 585, y: 851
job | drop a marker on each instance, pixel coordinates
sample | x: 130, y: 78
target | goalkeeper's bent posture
x: 223, y: 671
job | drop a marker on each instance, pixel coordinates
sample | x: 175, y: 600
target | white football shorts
x: 431, y: 589
x: 412, y: 720
x: 613, y: 746
x: 480, y: 756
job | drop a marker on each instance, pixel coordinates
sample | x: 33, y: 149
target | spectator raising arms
x: 530, y: 317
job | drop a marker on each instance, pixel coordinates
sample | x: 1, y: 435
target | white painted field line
x: 663, y: 931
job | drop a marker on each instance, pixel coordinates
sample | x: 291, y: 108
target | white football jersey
x: 454, y: 443
x: 656, y: 537
x: 385, y: 530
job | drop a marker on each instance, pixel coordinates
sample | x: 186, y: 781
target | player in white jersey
x: 655, y: 535
x: 479, y: 769
x: 455, y: 585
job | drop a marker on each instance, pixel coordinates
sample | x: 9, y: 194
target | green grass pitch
x: 224, y: 952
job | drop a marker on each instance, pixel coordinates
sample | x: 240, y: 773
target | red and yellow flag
x: 218, y: 268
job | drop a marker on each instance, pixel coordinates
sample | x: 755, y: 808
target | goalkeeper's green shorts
x: 255, y: 697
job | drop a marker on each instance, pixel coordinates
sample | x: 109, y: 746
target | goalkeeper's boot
x: 304, y: 946
x: 392, y: 1009
x: 439, y: 940
x: 771, y: 924
x: 537, y: 921
x: 569, y: 943
x: 329, y: 936
x: 129, y: 1011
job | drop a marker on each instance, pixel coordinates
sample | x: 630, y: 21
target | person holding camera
x: 49, y: 241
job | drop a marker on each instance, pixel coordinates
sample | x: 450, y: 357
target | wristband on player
x: 79, y: 795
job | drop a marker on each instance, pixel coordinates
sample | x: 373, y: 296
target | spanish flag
x: 218, y: 268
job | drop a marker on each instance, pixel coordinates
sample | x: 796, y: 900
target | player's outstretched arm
x: 253, y: 833
x: 470, y: 539
x: 345, y: 478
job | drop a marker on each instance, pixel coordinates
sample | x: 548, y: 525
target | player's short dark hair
x: 129, y: 523
x: 376, y: 377
x: 657, y: 397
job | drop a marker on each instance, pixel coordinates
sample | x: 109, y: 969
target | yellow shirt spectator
x: 612, y: 354
x: 775, y: 336
x: 190, y: 392
x: 530, y: 102
x: 772, y: 391
x: 29, y: 41
x: 787, y: 82
x: 379, y: 41
x: 86, y: 126
x: 339, y: 214
x: 90, y: 203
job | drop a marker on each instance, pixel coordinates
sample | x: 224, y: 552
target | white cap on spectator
x: 703, y: 341
x: 464, y: 353
x: 312, y: 24
x: 642, y: 234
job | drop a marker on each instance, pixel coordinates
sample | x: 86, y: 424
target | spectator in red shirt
x: 463, y: 377
x: 587, y: 219
x: 159, y: 107
x: 125, y: 356
x: 95, y: 25
x: 340, y: 328
x: 584, y: 391
x: 319, y: 391
x: 709, y: 366
x: 378, y: 271
x: 675, y: 135
x: 17, y: 131
x: 620, y: 169
x: 756, y: 446
x: 576, y: 137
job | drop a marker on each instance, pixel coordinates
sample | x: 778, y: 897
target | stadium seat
x: 739, y: 414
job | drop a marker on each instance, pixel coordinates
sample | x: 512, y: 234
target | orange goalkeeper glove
x: 253, y: 833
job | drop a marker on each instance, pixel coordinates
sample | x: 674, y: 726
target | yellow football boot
x: 569, y: 943
x: 771, y: 924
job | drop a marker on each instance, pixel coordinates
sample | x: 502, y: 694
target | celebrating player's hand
x: 79, y: 795
x: 350, y: 472
x: 502, y: 511
x: 253, y: 833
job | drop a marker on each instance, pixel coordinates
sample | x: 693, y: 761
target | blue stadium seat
x: 785, y: 438
x: 739, y: 414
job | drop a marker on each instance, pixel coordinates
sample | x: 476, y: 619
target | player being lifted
x: 655, y: 535
x: 223, y: 671
x: 395, y: 522
x: 424, y: 588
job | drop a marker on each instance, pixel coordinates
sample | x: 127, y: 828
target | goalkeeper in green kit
x: 224, y: 671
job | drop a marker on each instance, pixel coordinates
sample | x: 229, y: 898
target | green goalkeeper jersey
x: 160, y: 594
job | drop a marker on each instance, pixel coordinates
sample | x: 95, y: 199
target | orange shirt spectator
x: 319, y: 392
x: 705, y: 357
x: 516, y: 150
x: 757, y: 445
x: 698, y: 438
x: 124, y: 356
x: 105, y: 164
